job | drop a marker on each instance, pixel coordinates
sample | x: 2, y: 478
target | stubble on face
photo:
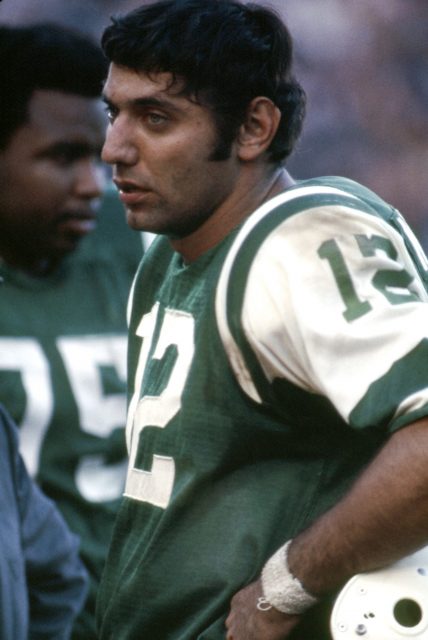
x: 165, y: 172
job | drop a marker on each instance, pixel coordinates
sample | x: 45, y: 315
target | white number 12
x: 155, y: 486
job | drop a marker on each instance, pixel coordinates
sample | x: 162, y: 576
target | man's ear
x: 258, y: 130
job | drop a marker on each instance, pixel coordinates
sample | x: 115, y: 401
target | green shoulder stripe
x: 246, y: 246
x: 405, y: 378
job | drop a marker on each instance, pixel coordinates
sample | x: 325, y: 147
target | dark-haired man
x: 277, y: 426
x: 66, y: 270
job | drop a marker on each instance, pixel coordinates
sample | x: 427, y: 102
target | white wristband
x: 281, y: 589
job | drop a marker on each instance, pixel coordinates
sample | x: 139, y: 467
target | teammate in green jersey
x: 63, y: 321
x: 277, y: 425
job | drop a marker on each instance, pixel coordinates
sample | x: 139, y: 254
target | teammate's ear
x: 258, y: 130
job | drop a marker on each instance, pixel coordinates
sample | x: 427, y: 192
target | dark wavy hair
x: 44, y: 56
x: 227, y: 53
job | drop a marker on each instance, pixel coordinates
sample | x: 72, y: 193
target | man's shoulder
x: 8, y: 434
x: 346, y: 188
x: 305, y: 206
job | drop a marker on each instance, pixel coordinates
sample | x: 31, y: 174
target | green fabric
x: 82, y: 304
x: 248, y: 476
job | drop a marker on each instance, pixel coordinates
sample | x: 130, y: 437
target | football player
x: 277, y: 426
x: 67, y: 269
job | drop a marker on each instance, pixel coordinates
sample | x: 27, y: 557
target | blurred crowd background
x: 364, y: 66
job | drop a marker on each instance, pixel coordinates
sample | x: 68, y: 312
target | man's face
x: 50, y: 178
x: 161, y: 144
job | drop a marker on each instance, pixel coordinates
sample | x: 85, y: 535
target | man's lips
x: 78, y: 223
x: 131, y: 193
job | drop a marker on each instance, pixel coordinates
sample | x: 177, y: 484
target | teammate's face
x: 161, y: 145
x: 51, y: 179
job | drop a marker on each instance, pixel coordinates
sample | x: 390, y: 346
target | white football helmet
x: 388, y: 604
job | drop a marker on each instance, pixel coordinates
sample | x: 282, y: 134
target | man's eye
x: 64, y: 157
x: 67, y: 153
x: 156, y: 118
x: 111, y: 113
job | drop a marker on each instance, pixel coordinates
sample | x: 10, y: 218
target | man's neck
x: 242, y: 204
x: 38, y: 268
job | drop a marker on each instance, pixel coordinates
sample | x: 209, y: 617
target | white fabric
x: 293, y: 313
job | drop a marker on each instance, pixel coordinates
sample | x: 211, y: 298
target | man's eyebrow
x: 149, y: 101
x: 71, y: 149
x: 107, y: 101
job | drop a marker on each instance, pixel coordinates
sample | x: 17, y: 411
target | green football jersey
x: 263, y: 377
x: 63, y: 378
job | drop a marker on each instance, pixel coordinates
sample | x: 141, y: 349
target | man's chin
x: 140, y: 222
x: 159, y: 226
x: 65, y: 246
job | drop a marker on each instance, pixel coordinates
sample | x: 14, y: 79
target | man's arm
x: 383, y: 517
x: 56, y: 577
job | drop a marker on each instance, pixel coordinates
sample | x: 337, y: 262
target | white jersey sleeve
x: 325, y: 295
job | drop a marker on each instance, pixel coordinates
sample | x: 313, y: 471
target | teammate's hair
x: 225, y: 52
x: 44, y: 56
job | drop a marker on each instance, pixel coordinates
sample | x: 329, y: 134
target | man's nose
x: 119, y: 146
x: 90, y: 179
